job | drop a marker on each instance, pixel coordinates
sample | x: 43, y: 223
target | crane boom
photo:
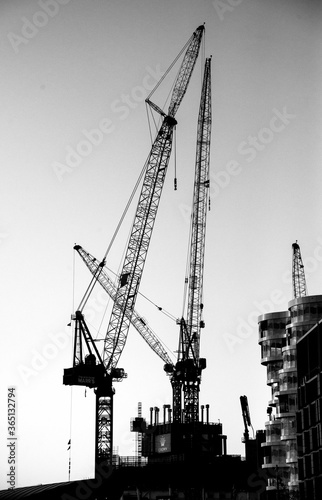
x: 187, y: 372
x: 298, y: 275
x: 199, y: 215
x: 146, y: 211
x: 131, y: 273
x: 185, y: 71
x: 97, y: 269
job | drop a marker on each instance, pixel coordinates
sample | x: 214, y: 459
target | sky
x: 74, y: 138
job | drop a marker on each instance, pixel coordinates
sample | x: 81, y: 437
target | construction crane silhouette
x: 298, y: 275
x: 183, y: 438
x: 186, y: 374
x: 106, y: 372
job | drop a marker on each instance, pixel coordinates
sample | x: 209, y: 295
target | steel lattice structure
x: 138, y: 245
x: 199, y: 217
x: 298, y: 275
x: 127, y: 289
x: 187, y: 373
x: 146, y: 211
x: 97, y: 269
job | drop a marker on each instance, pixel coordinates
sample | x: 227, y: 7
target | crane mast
x: 187, y: 372
x: 135, y: 256
x: 298, y: 275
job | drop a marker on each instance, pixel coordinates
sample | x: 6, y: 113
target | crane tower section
x: 194, y: 322
x: 298, y: 275
x: 186, y: 374
x: 199, y: 214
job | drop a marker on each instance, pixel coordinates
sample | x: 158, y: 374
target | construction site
x: 181, y: 453
x: 181, y: 450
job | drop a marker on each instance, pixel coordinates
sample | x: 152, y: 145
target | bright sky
x: 72, y: 66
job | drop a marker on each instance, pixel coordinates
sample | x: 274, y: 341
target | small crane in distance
x: 298, y: 275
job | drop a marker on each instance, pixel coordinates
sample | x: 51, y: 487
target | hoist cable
x: 170, y: 67
x: 148, y: 119
x: 169, y: 315
x: 175, y: 157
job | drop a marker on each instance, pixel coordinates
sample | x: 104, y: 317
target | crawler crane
x: 130, y: 276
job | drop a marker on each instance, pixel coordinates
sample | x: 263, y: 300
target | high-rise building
x: 279, y: 333
x: 309, y: 414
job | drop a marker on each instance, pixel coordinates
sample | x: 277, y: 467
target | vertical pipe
x: 151, y: 415
x: 207, y: 414
x: 202, y: 411
x: 156, y: 415
x: 169, y: 414
x: 164, y: 408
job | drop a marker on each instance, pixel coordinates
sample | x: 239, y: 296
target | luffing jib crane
x: 135, y: 256
x: 298, y: 275
x: 186, y: 374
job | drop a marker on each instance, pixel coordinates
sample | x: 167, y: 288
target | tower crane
x: 298, y: 275
x: 186, y: 374
x: 133, y: 264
